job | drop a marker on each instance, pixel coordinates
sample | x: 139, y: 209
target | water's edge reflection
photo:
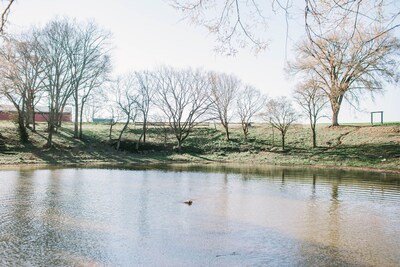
x: 242, y: 215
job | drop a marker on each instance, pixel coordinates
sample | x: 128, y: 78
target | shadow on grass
x: 3, y: 147
x: 90, y: 148
x: 370, y: 154
x: 203, y: 144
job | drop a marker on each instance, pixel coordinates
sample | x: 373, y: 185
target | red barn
x: 8, y: 112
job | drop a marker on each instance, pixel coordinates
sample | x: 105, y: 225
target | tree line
x: 68, y: 63
x: 183, y: 98
x: 57, y: 65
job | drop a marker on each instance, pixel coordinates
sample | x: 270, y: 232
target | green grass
x: 356, y: 145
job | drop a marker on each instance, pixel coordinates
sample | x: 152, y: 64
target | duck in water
x: 188, y: 202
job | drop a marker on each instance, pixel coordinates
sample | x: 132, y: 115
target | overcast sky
x: 147, y: 34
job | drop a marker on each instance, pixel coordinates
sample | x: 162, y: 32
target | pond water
x: 240, y: 216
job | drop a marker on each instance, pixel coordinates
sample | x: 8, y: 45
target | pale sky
x: 147, y: 34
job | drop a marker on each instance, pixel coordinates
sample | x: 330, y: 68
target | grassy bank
x: 363, y: 146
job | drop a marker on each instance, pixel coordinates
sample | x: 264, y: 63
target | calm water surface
x: 241, y: 216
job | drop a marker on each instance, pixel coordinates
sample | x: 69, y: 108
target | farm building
x: 9, y: 112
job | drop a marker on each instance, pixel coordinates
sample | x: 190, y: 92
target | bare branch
x: 250, y: 102
x: 4, y: 15
x: 224, y: 90
x: 184, y: 97
x: 281, y: 115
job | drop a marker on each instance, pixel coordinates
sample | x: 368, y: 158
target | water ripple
x: 240, y: 216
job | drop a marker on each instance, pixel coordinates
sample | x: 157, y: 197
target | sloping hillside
x: 364, y: 146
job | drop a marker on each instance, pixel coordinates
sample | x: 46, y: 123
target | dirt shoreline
x: 172, y: 162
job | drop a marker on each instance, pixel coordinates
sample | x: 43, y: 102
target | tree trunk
x: 119, y: 141
x: 57, y: 120
x: 335, y: 116
x: 33, y: 121
x: 120, y: 134
x: 23, y: 134
x: 314, y: 137
x: 165, y: 137
x: 179, y: 145
x: 335, y: 110
x: 33, y: 116
x: 245, y: 130
x: 80, y: 130
x: 50, y: 135
x: 28, y: 111
x: 283, y: 141
x: 80, y: 124
x: 27, y: 117
x: 139, y: 141
x: 76, y: 129
x: 110, y: 133
x: 144, y: 130
x: 226, y: 133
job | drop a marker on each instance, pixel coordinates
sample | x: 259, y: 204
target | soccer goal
x: 376, y: 114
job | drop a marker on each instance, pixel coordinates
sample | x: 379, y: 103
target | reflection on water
x: 241, y: 216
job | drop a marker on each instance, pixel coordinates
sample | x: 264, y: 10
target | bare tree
x: 183, y: 96
x: 13, y: 85
x: 21, y: 70
x: 126, y: 101
x: 224, y: 90
x: 87, y: 49
x: 57, y: 72
x: 312, y: 100
x: 249, y: 103
x: 62, y: 60
x: 32, y: 70
x: 146, y: 83
x: 281, y: 115
x: 347, y: 66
